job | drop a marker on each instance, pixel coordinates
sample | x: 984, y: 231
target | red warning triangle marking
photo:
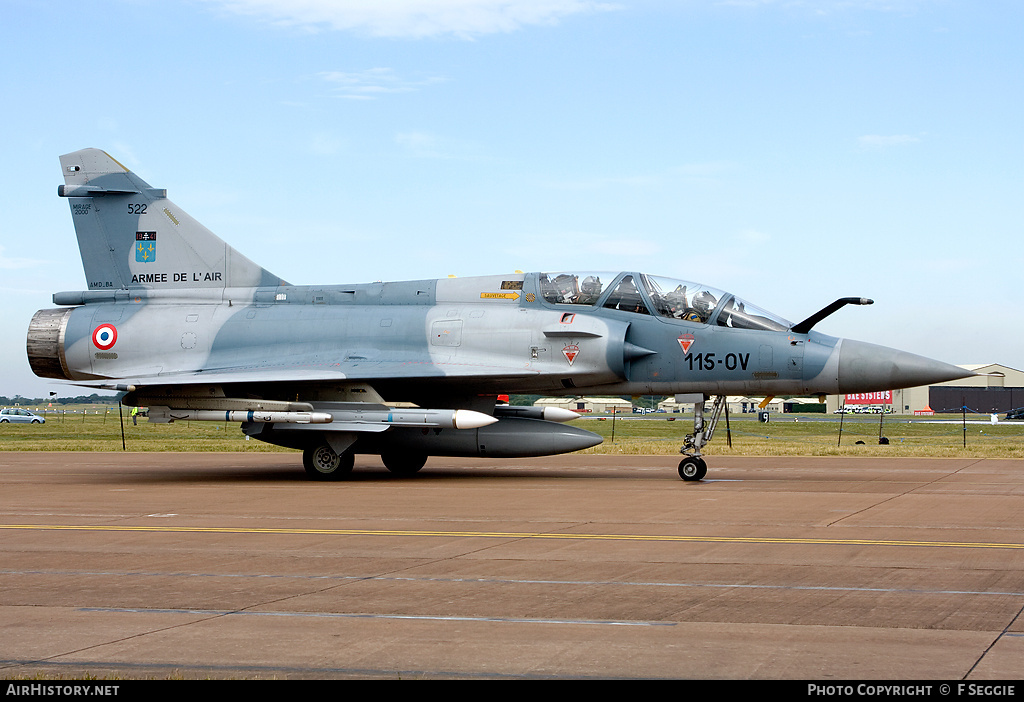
x: 570, y: 352
x: 685, y: 342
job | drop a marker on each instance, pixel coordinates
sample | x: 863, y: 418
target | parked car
x: 16, y: 414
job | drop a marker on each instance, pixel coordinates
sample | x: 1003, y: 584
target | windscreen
x: 693, y: 302
x: 573, y: 288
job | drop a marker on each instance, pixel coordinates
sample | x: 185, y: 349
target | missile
x: 413, y: 417
x: 377, y: 416
x: 166, y: 415
x: 551, y: 414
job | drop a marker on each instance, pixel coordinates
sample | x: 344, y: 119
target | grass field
x: 819, y: 435
x: 98, y: 428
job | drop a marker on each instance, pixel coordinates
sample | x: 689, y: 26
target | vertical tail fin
x: 130, y: 235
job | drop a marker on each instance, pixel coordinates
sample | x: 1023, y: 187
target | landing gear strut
x: 693, y: 466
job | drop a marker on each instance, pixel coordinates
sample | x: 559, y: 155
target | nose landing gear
x: 693, y: 467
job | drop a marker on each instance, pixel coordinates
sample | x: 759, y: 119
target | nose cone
x: 468, y: 419
x: 867, y: 367
x: 557, y: 414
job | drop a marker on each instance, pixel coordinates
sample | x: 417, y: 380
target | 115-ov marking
x: 708, y: 361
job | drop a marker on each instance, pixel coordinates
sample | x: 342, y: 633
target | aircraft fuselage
x: 421, y: 334
x: 195, y: 330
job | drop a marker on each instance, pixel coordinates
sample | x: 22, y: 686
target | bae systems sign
x: 883, y: 397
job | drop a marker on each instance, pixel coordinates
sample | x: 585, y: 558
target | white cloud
x: 412, y: 18
x: 373, y: 82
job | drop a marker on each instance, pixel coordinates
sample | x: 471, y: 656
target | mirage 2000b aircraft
x: 194, y: 330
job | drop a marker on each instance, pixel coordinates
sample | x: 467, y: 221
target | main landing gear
x: 403, y: 462
x: 693, y: 466
x: 323, y: 462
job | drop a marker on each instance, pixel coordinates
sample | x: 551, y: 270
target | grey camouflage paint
x: 176, y: 315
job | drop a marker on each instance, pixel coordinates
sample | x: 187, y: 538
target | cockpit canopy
x: 653, y: 295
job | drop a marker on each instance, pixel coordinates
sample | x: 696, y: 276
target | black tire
x: 692, y: 469
x: 404, y: 463
x: 323, y: 463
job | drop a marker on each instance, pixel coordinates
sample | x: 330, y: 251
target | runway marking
x: 523, y: 581
x: 509, y: 535
x: 353, y: 615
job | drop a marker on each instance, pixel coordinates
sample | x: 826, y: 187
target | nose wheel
x: 693, y: 468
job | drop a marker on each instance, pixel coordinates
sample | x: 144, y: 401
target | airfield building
x: 996, y: 389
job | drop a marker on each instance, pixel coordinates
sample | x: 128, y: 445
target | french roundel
x: 104, y: 336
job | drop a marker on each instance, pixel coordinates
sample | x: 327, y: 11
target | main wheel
x: 324, y: 463
x: 404, y: 463
x: 693, y: 468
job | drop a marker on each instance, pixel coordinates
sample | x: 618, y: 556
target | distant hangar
x: 997, y: 389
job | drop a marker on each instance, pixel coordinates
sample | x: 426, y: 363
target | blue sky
x: 788, y: 151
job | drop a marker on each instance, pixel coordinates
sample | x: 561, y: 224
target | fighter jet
x: 184, y: 324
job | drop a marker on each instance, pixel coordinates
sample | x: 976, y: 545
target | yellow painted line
x: 506, y: 535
